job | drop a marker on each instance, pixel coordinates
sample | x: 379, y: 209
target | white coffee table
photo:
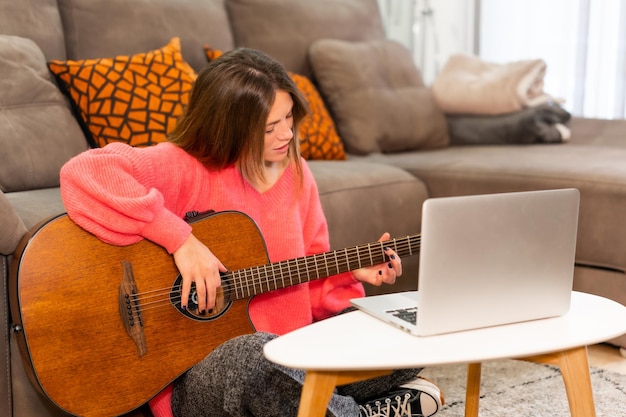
x: 354, y: 346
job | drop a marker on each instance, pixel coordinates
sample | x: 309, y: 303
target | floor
x: 607, y: 357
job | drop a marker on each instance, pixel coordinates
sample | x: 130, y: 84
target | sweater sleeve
x: 332, y: 294
x: 117, y: 194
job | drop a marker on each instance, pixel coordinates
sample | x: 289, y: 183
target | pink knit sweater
x: 124, y: 194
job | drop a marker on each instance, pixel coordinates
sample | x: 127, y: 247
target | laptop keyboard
x: 407, y: 314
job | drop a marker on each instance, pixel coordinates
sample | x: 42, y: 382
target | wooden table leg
x: 319, y: 386
x: 472, y: 392
x: 574, y: 366
x: 316, y: 392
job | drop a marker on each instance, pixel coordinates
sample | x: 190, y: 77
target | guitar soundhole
x: 222, y: 303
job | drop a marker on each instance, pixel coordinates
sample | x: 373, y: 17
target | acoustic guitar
x: 101, y: 328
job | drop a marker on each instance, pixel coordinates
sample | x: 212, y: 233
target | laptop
x: 487, y: 260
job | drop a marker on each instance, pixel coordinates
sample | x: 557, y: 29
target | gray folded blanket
x: 544, y: 123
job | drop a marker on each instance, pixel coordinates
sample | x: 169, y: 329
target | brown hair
x: 224, y: 122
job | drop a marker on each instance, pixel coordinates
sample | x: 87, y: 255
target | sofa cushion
x: 133, y: 99
x: 318, y: 135
x: 362, y: 200
x: 38, y: 20
x: 13, y: 227
x: 598, y: 172
x: 598, y: 132
x: 38, y: 132
x: 285, y: 28
x: 101, y: 28
x: 377, y: 96
x: 34, y: 206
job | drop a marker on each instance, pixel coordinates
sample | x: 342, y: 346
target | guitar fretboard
x: 245, y: 283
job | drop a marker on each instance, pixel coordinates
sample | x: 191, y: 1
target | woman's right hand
x: 196, y: 263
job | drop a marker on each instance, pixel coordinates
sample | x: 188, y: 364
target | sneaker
x: 418, y: 398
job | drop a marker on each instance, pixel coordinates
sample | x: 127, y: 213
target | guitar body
x: 65, y: 298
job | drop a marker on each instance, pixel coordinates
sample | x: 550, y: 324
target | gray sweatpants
x: 236, y: 380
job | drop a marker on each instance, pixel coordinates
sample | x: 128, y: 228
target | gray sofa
x: 362, y: 196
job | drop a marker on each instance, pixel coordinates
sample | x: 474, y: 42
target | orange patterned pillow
x: 318, y: 136
x: 211, y: 53
x: 133, y: 99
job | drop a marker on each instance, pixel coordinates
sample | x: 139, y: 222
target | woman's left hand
x: 382, y: 273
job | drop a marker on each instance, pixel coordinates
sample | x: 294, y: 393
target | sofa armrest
x: 12, y: 228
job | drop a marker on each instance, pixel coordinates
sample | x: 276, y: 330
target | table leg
x: 472, y: 392
x: 574, y: 366
x: 319, y: 386
x: 316, y: 392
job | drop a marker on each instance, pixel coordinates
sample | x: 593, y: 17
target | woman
x: 233, y: 149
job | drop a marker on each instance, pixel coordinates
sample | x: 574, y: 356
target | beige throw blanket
x: 468, y: 85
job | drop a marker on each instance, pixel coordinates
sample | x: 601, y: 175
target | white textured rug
x: 524, y: 389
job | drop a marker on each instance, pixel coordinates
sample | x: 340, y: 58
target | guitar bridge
x: 130, y: 310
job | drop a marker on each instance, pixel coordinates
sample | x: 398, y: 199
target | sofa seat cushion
x: 285, y: 28
x: 38, y: 132
x: 13, y: 227
x: 598, y: 172
x: 34, y: 206
x: 377, y: 96
x: 105, y: 28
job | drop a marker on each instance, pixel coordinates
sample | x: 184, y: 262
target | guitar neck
x: 245, y: 283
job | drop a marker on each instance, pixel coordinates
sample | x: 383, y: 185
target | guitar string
x: 293, y: 266
x: 166, y: 301
x: 265, y: 274
x: 332, y: 261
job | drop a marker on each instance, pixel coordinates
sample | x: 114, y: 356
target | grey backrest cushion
x: 38, y: 20
x: 284, y: 29
x: 377, y: 96
x: 38, y: 132
x: 108, y: 28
